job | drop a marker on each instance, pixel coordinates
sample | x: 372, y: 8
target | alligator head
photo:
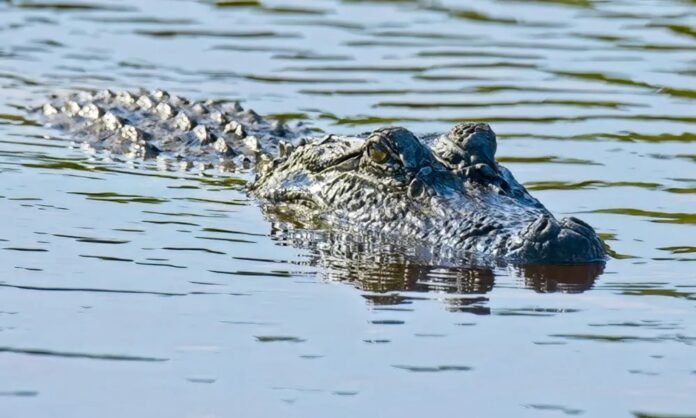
x: 452, y: 196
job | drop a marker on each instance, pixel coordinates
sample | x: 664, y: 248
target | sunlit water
x: 129, y: 291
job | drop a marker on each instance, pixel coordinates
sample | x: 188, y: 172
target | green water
x: 126, y: 290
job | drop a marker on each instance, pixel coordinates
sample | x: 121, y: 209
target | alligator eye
x: 378, y: 154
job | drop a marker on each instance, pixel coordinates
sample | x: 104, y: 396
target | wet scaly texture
x: 101, y: 261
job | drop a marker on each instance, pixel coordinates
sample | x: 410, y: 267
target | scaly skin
x: 452, y: 196
x: 159, y: 125
x: 445, y: 194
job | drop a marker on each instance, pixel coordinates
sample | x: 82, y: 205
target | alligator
x: 444, y: 194
x: 391, y: 267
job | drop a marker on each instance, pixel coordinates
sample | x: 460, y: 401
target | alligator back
x: 173, y: 129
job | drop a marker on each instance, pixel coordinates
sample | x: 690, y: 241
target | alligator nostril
x: 544, y: 228
x: 576, y: 221
x: 578, y: 226
x: 543, y: 224
x: 559, y: 241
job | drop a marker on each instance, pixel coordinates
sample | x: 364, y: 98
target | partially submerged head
x: 453, y: 196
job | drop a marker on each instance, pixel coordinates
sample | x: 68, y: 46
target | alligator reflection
x: 389, y: 276
x: 567, y: 279
x: 385, y: 269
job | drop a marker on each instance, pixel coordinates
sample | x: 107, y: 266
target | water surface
x: 128, y: 290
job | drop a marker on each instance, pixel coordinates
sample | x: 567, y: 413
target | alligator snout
x: 544, y: 229
x: 566, y: 241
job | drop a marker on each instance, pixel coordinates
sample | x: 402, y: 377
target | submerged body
x: 445, y: 192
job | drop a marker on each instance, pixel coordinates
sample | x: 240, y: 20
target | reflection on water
x: 381, y: 267
x: 571, y: 279
x: 106, y: 261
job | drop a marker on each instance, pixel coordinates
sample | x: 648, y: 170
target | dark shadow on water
x: 566, y: 278
x: 387, y: 270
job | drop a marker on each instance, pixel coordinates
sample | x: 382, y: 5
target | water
x: 131, y: 291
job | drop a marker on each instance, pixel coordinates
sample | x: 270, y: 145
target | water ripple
x: 592, y: 103
x: 66, y: 354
